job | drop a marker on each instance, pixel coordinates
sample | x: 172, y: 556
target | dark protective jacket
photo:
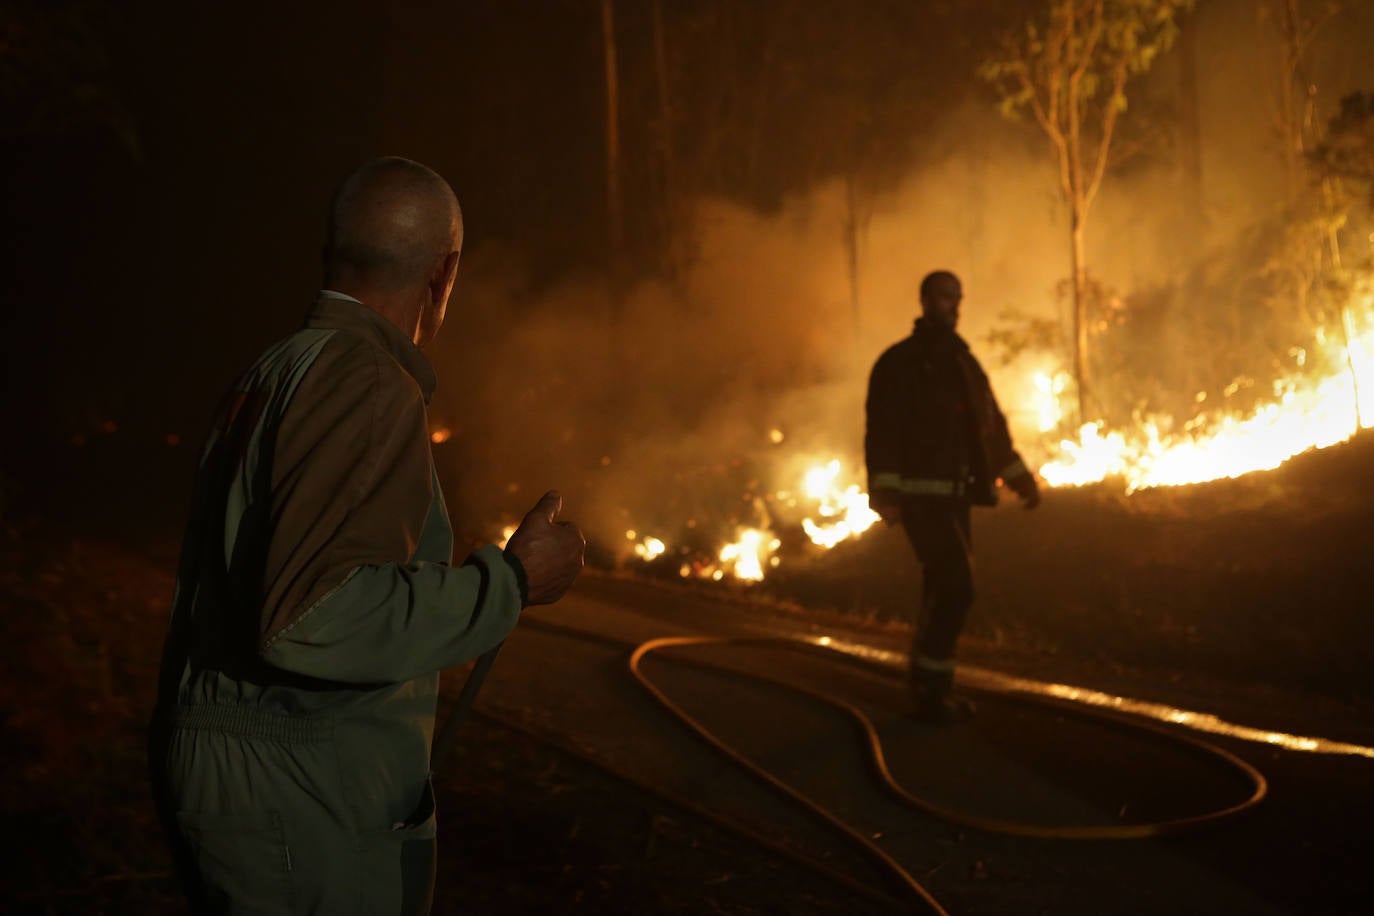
x: 933, y: 424
x: 315, y: 606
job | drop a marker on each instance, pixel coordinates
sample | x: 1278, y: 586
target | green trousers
x: 262, y: 824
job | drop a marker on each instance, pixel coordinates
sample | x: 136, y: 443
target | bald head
x: 390, y: 222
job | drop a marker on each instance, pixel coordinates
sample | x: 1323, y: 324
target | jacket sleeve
x: 395, y: 621
x: 1006, y: 463
x: 353, y: 489
x: 884, y: 417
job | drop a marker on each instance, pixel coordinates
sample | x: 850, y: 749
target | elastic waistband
x: 247, y: 722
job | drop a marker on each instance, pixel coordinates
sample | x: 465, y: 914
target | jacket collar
x: 929, y: 332
x: 351, y: 315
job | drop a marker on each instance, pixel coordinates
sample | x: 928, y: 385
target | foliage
x: 1347, y: 151
x: 1068, y: 66
x: 1017, y: 333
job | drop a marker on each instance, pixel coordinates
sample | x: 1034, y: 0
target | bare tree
x: 1068, y: 65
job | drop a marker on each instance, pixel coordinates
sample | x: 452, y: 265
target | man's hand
x: 1025, y: 487
x: 550, y: 551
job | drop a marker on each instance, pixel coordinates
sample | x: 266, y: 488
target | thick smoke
x: 655, y: 414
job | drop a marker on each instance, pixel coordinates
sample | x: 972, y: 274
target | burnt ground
x: 1253, y: 589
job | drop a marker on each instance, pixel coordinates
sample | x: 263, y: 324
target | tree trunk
x: 615, y: 213
x: 1290, y: 26
x: 673, y: 242
x: 1080, y: 311
x: 1333, y: 241
x: 851, y: 238
x: 1190, y: 145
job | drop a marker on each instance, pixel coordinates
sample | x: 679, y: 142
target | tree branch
x: 1090, y: 48
x: 1023, y: 77
x: 1109, y: 117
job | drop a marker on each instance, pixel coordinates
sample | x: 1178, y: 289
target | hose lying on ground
x: 910, y: 887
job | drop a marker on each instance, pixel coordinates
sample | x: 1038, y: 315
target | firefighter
x: 937, y: 444
x: 315, y: 602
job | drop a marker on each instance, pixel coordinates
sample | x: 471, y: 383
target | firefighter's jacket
x: 315, y: 605
x: 933, y: 425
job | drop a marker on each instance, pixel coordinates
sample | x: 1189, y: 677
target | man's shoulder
x: 904, y: 349
x: 352, y: 361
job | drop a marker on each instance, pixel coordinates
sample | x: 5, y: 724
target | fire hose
x: 447, y: 739
x: 902, y: 878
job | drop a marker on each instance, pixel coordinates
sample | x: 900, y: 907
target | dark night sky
x: 166, y: 221
x: 142, y: 275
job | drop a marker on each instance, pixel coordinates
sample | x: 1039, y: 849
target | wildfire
x: 745, y: 557
x: 1048, y: 398
x: 1305, y: 413
x: 649, y: 548
x: 844, y: 512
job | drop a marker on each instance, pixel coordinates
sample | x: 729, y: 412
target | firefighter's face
x: 941, y: 305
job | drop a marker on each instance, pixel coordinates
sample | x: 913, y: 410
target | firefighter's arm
x: 1012, y: 469
x: 1021, y: 480
x: 882, y: 456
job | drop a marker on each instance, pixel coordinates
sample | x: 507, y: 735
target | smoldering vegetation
x: 655, y: 411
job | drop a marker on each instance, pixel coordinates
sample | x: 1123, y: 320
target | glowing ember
x: 650, y: 548
x: 775, y: 436
x: 844, y: 512
x: 745, y: 556
x: 440, y: 436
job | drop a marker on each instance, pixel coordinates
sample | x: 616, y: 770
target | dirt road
x: 1299, y: 851
x: 532, y: 821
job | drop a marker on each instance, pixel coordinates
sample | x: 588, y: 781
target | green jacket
x: 315, y: 606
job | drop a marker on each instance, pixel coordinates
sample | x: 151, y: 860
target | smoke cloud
x: 658, y: 415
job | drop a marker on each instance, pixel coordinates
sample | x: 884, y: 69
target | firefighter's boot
x: 933, y: 698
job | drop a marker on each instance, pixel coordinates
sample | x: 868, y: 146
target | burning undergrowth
x: 712, y: 467
x: 689, y: 415
x: 713, y: 428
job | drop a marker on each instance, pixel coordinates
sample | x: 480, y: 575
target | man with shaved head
x: 936, y: 444
x: 316, y: 602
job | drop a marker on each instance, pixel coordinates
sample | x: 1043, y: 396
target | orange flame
x: 647, y: 549
x: 1305, y: 413
x: 746, y: 556
x: 844, y: 511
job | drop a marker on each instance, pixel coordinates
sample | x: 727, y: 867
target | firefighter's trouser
x: 940, y: 533
x: 259, y: 827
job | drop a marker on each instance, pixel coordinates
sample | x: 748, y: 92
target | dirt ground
x: 1261, y: 582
